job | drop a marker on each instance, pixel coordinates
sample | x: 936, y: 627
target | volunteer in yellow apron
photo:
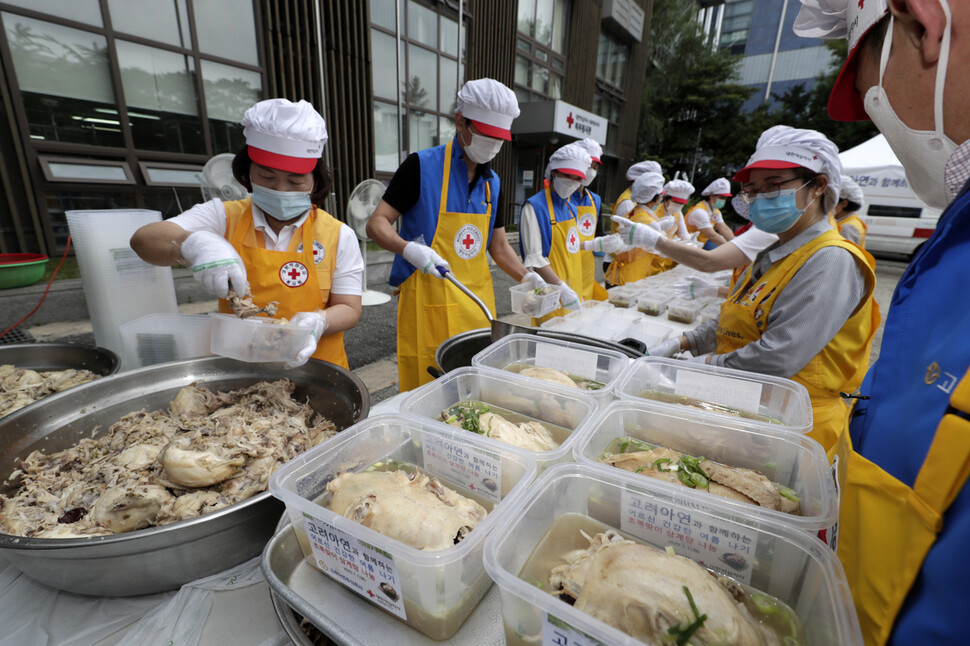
x: 851, y: 201
x: 634, y: 264
x: 705, y: 219
x: 276, y: 245
x: 588, y: 205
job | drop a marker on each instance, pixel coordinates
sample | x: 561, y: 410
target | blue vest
x: 579, y: 199
x: 563, y: 212
x: 422, y: 218
x: 925, y: 351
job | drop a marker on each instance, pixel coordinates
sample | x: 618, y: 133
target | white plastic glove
x: 568, y: 298
x: 665, y: 348
x: 700, y: 359
x: 663, y: 223
x: 637, y: 235
x: 316, y: 322
x: 695, y: 287
x: 215, y: 263
x: 607, y: 244
x: 424, y: 258
x: 533, y: 280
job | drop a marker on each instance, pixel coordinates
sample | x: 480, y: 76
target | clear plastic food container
x: 780, y: 404
x: 159, y: 338
x: 769, y: 557
x: 622, y: 296
x: 653, y: 303
x: 565, y: 413
x: 525, y: 300
x: 517, y: 352
x: 256, y: 339
x: 789, y: 459
x: 431, y: 591
x: 683, y: 310
x: 647, y: 332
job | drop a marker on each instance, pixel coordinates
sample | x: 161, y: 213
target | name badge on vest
x: 572, y: 240
x: 587, y: 224
x: 468, y: 241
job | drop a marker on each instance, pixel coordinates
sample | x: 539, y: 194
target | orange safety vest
x: 299, y: 278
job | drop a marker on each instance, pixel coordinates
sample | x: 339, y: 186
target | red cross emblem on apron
x: 468, y: 241
x: 294, y: 274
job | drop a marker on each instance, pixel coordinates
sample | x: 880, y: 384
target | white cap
x: 787, y: 147
x: 851, y: 191
x: 679, y: 190
x: 490, y: 105
x: 285, y: 135
x: 571, y: 159
x: 721, y: 186
x: 592, y: 147
x: 646, y: 187
x: 639, y: 168
x: 849, y: 19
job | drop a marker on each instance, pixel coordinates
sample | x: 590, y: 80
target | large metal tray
x: 348, y: 619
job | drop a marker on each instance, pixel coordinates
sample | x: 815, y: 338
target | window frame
x: 46, y: 160
x: 535, y: 53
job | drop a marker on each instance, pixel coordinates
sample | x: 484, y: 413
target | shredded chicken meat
x: 478, y: 418
x: 244, y: 307
x: 20, y: 387
x: 207, y: 451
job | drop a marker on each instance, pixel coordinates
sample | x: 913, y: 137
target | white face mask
x: 590, y: 176
x: 482, y: 149
x: 565, y: 187
x: 674, y: 209
x: 923, y: 153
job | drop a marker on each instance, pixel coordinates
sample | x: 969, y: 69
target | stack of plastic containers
x: 565, y: 412
x: 158, y: 338
x: 118, y: 285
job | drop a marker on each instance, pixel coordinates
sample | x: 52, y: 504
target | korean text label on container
x: 574, y: 362
x: 479, y: 471
x: 736, y: 393
x: 556, y: 632
x: 367, y: 570
x: 725, y: 547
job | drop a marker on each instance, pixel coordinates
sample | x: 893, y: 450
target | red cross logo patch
x: 587, y: 224
x: 318, y: 251
x: 572, y: 240
x: 294, y: 274
x: 468, y: 241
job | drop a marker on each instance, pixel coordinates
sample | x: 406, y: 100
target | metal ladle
x: 499, y: 328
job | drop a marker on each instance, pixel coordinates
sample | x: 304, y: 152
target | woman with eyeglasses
x: 803, y: 309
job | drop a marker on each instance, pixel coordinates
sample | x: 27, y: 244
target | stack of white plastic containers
x: 542, y: 499
x: 118, y: 285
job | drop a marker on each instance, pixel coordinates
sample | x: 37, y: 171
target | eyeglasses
x: 770, y: 191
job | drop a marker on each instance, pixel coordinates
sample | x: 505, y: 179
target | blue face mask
x: 282, y: 205
x: 775, y: 214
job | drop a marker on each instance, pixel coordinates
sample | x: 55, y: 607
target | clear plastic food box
x: 256, y: 339
x: 159, y: 338
x: 770, y: 557
x: 781, y: 404
x: 431, y: 591
x: 516, y: 352
x: 789, y: 459
x: 569, y: 410
x: 623, y: 295
x: 683, y: 310
x: 526, y: 301
x: 653, y: 303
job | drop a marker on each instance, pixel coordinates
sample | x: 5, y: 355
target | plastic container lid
x: 256, y: 339
x: 771, y: 557
x: 544, y: 402
x: 526, y: 301
x: 790, y: 459
x: 668, y: 380
x: 158, y: 338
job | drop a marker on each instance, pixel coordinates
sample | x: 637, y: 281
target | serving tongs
x: 499, y: 328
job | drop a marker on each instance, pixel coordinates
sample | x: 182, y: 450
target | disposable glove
x: 215, y: 263
x: 700, y: 359
x: 665, y: 348
x: 568, y: 298
x: 316, y: 322
x: 533, y: 280
x: 695, y: 287
x: 424, y: 258
x: 607, y: 244
x: 637, y: 235
x: 663, y: 223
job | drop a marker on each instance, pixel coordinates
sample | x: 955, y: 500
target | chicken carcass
x: 20, y: 387
x: 549, y: 374
x: 478, y: 418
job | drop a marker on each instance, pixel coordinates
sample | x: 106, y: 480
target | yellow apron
x: 886, y: 528
x: 565, y: 256
x: 625, y: 195
x: 430, y: 309
x: 291, y: 277
x: 841, y: 364
x: 587, y: 217
x: 855, y: 222
x: 637, y: 263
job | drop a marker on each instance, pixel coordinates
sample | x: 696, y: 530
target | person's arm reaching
x: 504, y: 255
x: 158, y: 243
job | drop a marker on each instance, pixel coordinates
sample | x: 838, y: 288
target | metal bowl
x: 158, y: 558
x: 60, y: 356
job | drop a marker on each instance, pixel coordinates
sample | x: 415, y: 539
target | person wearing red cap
x: 276, y: 245
x: 705, y: 219
x: 447, y: 201
x: 588, y: 206
x: 905, y: 512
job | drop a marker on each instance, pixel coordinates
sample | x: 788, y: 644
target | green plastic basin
x: 20, y: 269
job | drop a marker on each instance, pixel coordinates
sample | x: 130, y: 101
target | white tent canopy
x: 874, y: 165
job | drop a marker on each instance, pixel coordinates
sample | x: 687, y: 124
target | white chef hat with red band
x: 679, y: 190
x: 638, y: 169
x: 849, y: 19
x: 592, y: 147
x: 285, y: 135
x: 571, y: 160
x: 490, y: 105
x: 720, y: 187
x: 646, y: 187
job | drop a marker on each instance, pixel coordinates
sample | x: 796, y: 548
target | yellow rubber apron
x: 841, y: 364
x: 290, y: 277
x: 886, y: 528
x: 430, y: 309
x: 565, y: 257
x: 637, y: 263
x: 587, y: 217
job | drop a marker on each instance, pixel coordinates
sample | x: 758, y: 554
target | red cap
x: 300, y: 165
x: 845, y: 102
x: 492, y: 131
x: 571, y: 171
x: 678, y: 200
